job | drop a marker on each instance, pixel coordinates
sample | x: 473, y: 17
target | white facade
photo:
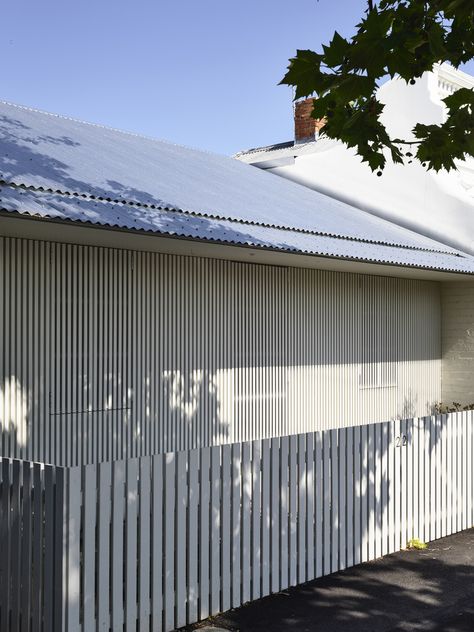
x: 110, y: 353
x: 439, y: 205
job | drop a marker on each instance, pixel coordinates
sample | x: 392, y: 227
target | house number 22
x: 401, y: 441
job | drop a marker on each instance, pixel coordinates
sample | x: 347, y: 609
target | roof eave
x: 46, y: 229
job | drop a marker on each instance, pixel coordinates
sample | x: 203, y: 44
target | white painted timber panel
x: 110, y: 354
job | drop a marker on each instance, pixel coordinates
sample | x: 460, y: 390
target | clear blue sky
x: 197, y: 72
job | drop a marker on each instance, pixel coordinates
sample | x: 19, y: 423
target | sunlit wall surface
x: 110, y: 353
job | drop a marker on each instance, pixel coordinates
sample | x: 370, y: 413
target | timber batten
x: 109, y: 353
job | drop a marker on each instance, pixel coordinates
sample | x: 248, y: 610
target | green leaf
x: 463, y: 96
x: 335, y: 52
x: 436, y: 40
x: 302, y: 73
x: 399, y: 38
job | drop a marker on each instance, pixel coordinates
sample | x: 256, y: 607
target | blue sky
x: 202, y: 73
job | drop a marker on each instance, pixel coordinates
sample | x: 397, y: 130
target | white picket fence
x: 157, y: 542
x: 32, y: 546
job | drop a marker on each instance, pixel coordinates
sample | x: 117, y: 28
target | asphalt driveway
x: 429, y: 591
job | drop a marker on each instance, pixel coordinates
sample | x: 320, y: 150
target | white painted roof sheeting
x: 183, y: 225
x: 168, y: 189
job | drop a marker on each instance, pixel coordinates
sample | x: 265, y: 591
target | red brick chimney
x: 306, y: 127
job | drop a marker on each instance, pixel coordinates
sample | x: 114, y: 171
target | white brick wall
x: 458, y: 342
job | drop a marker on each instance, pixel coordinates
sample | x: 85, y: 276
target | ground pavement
x: 429, y: 591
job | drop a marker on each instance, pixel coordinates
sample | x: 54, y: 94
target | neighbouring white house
x: 439, y: 205
x: 173, y: 298
x: 198, y: 356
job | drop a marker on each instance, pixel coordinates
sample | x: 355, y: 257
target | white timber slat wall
x: 108, y: 354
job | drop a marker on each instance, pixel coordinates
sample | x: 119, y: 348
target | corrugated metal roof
x: 169, y: 222
x: 157, y: 186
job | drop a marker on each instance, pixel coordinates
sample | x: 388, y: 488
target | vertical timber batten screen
x: 109, y: 354
x: 169, y: 539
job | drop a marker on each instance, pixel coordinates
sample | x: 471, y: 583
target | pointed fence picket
x: 157, y: 542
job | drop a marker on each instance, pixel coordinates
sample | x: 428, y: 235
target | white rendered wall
x: 111, y: 353
x: 440, y: 205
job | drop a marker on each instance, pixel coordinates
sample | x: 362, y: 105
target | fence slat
x: 215, y: 529
x: 342, y: 462
x: 470, y: 467
x: 465, y: 471
x: 385, y: 484
x: 145, y: 548
x: 5, y: 547
x: 67, y: 551
x: 131, y: 487
x: 72, y: 536
x: 118, y: 518
x: 256, y: 519
x: 204, y: 540
x: 226, y: 575
x: 371, y: 494
x: 284, y: 506
x: 236, y: 524
x: 310, y: 518
x: 48, y: 593
x: 90, y: 505
x: 157, y: 543
x: 26, y: 538
x: 349, y: 432
x: 439, y: 508
x: 434, y: 507
x: 318, y: 490
x: 444, y: 472
x: 37, y: 557
x: 459, y: 490
x: 192, y: 537
x: 334, y: 471
x: 265, y: 575
x: 103, y: 545
x: 418, y: 469
x: 293, y: 480
x: 15, y: 543
x: 398, y: 491
x: 403, y: 483
x: 364, y: 493
x: 180, y: 535
x: 301, y: 447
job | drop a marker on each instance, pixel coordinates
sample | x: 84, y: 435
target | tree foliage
x: 395, y: 38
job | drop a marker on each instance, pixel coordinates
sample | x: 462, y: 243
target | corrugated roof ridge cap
x: 176, y: 209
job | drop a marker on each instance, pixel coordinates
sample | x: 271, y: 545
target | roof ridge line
x: 175, y: 209
x: 74, y: 119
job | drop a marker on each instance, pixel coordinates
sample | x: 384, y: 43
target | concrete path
x: 429, y: 591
